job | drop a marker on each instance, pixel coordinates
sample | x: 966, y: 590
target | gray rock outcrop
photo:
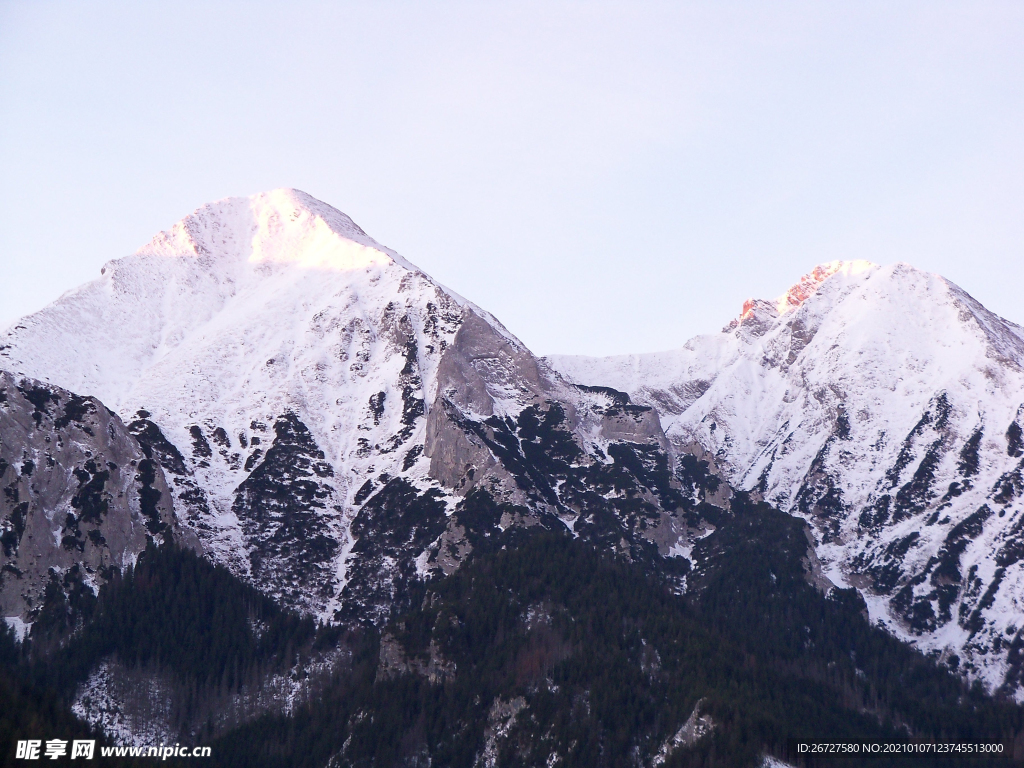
x: 78, y: 497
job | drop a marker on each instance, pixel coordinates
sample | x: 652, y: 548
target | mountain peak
x: 801, y: 290
x: 809, y: 284
x: 282, y: 226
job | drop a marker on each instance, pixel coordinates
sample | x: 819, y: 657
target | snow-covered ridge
x: 808, y: 284
x: 283, y: 226
x: 880, y: 402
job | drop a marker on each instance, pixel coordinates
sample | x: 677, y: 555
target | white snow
x: 20, y: 626
x: 137, y: 716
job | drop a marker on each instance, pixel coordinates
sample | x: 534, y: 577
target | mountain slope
x: 885, y: 405
x: 80, y: 501
x: 551, y: 653
x: 304, y: 388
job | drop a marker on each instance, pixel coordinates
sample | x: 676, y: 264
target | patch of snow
x: 500, y: 721
x: 142, y: 720
x: 422, y: 569
x: 21, y: 627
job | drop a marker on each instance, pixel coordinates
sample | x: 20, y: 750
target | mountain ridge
x: 885, y: 389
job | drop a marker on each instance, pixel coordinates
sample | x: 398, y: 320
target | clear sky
x: 603, y: 177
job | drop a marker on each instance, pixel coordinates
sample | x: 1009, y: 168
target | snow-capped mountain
x: 885, y: 405
x: 321, y: 408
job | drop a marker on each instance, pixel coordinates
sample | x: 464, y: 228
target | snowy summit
x: 884, y: 404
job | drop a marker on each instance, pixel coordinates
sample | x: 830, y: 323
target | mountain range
x: 267, y: 387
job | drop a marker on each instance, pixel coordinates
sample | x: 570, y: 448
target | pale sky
x: 603, y: 177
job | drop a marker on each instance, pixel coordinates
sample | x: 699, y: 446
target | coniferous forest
x: 538, y: 645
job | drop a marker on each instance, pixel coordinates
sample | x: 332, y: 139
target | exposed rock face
x: 80, y: 499
x: 290, y: 516
x: 696, y: 727
x: 883, y: 404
